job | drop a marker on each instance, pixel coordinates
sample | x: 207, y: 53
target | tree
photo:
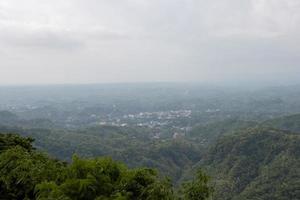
x: 22, y: 170
x: 197, y: 189
x: 25, y: 173
x: 104, y: 179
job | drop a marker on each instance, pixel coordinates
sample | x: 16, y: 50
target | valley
x: 240, y: 148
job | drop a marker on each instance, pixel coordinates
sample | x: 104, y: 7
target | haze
x: 97, y: 41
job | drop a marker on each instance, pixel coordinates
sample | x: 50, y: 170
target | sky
x: 105, y: 41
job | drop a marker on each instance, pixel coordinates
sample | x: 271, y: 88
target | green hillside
x: 290, y: 122
x: 130, y: 145
x: 257, y: 163
x: 208, y: 134
x: 246, y: 159
x: 28, y: 174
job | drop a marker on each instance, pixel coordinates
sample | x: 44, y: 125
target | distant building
x: 177, y: 135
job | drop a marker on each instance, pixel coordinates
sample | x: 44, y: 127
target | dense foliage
x: 198, y: 188
x: 289, y: 123
x: 28, y: 174
x: 130, y: 145
x: 257, y: 163
x: 208, y: 134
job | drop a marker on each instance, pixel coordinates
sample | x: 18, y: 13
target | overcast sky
x: 95, y: 41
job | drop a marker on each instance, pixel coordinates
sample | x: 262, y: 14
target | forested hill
x: 10, y: 119
x: 207, y: 134
x: 29, y: 174
x: 290, y: 122
x: 256, y: 164
x: 133, y: 146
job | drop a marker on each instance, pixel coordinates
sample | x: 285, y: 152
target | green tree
x: 103, y: 178
x: 25, y: 173
x: 21, y: 170
x: 197, y: 189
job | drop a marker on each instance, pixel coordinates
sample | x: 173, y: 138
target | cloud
x: 143, y: 40
x: 42, y: 38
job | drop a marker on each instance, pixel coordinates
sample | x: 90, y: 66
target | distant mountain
x: 256, y: 164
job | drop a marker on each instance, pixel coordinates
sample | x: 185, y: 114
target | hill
x: 290, y: 123
x: 208, y: 134
x: 134, y: 146
x: 257, y: 163
x: 12, y: 120
x: 26, y: 173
